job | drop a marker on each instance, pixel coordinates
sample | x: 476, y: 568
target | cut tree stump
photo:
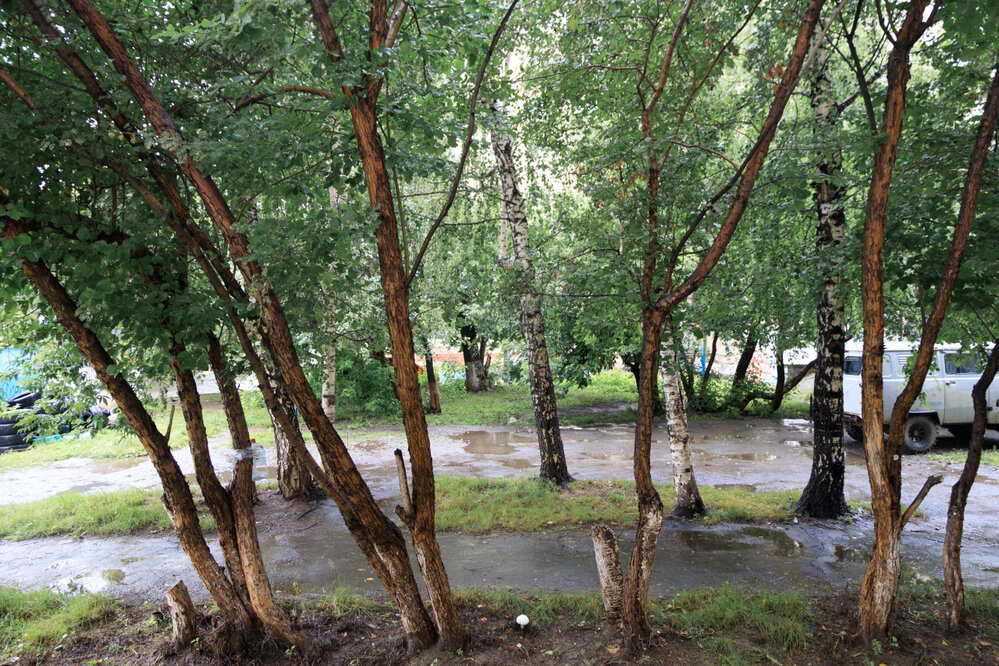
x: 609, y: 569
x: 185, y: 618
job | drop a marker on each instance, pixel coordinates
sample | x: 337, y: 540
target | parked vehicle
x: 945, y: 399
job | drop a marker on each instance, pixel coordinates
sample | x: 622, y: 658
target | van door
x: 961, y: 372
x: 932, y: 397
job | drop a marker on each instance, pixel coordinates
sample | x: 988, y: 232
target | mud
x: 307, y: 547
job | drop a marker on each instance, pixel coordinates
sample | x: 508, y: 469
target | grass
x: 781, y: 619
x: 990, y: 457
x: 478, y: 505
x: 35, y: 621
x: 464, y: 504
x: 119, y: 512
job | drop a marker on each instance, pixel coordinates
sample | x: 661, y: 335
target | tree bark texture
x: 553, y: 463
x: 745, y: 359
x: 823, y: 496
x: 182, y: 615
x: 329, y: 381
x: 451, y: 633
x: 608, y: 570
x: 688, y: 498
x: 294, y: 480
x: 378, y: 537
x: 884, y: 464
x: 953, y: 580
x: 473, y: 351
x: 177, y: 494
x: 650, y: 507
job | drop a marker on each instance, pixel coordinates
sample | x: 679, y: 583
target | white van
x: 945, y: 399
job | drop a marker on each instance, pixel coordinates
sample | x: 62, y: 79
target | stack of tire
x: 11, y: 436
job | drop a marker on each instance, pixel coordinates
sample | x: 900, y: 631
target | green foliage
x: 31, y: 623
x: 364, y: 387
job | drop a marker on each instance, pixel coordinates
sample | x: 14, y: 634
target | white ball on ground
x: 523, y: 621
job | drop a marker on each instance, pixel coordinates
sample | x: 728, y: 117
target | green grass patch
x: 990, y: 457
x: 119, y: 512
x: 34, y: 622
x: 478, y: 505
x: 780, y: 619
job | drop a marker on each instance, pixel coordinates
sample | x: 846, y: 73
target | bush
x: 364, y: 386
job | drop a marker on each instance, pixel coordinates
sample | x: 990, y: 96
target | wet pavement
x: 307, y: 548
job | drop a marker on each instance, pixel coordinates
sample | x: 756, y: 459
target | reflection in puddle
x: 492, y: 443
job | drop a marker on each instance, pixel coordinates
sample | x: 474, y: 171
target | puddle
x: 755, y: 457
x: 479, y: 442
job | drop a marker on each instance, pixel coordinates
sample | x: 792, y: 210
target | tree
x: 880, y: 584
x: 514, y: 218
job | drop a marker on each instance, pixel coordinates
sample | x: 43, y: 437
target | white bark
x: 688, y: 498
x: 513, y: 213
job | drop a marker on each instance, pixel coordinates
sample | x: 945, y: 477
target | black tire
x: 9, y: 429
x: 24, y: 400
x: 962, y: 433
x: 13, y: 440
x: 855, y: 432
x: 920, y: 433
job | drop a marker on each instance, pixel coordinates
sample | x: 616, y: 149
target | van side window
x: 852, y: 365
x: 962, y: 364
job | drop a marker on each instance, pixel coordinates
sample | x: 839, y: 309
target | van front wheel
x: 920, y: 434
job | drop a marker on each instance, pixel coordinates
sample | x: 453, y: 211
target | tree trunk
x: 433, y: 392
x: 884, y: 463
x: 451, y: 633
x: 472, y: 352
x: 294, y: 480
x: 329, y: 382
x: 608, y: 570
x: 241, y: 492
x: 688, y: 498
x: 778, y: 398
x: 953, y: 580
x: 823, y: 496
x: 177, y: 494
x: 634, y: 363
x: 745, y: 359
x: 553, y: 462
x: 377, y: 536
x: 650, y: 507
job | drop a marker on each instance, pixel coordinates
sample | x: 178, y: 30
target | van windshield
x: 852, y: 365
x: 962, y: 364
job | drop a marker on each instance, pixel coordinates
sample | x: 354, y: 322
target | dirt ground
x: 132, y: 637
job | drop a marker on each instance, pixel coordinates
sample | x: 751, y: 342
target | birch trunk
x: 688, y: 498
x: 329, y: 381
x: 553, y: 462
x: 823, y: 496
